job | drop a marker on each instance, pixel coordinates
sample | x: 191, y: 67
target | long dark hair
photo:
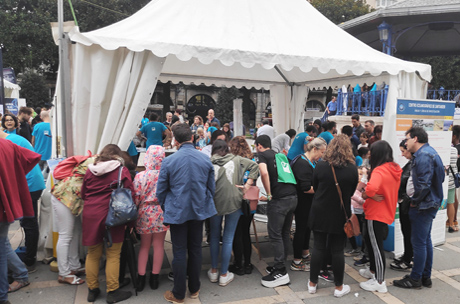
x: 381, y: 153
x: 110, y: 152
x: 220, y: 147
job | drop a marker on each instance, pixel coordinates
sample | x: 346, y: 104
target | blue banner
x: 425, y: 108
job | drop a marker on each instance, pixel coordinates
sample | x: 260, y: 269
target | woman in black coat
x: 327, y: 217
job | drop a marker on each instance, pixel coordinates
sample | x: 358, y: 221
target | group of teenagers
x: 180, y: 192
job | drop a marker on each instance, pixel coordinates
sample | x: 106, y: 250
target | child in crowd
x: 201, y: 140
x: 357, y: 202
x: 363, y: 138
x: 150, y: 220
x: 363, y: 157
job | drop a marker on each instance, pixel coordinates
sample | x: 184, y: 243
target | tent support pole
x: 284, y: 77
x: 66, y: 147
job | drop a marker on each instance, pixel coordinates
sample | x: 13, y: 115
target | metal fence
x: 442, y: 94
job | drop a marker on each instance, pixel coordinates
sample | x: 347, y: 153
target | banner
x: 8, y: 74
x: 11, y: 105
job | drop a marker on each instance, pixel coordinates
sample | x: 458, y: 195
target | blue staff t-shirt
x: 144, y: 121
x: 43, y: 139
x: 132, y: 151
x: 154, y: 133
x: 327, y: 136
x: 297, y: 146
x: 35, y: 179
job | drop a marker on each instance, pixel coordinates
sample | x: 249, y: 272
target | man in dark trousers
x: 427, y: 175
x: 185, y: 191
x: 282, y: 201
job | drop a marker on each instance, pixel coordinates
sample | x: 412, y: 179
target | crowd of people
x: 318, y: 181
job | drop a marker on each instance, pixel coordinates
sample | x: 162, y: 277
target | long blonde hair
x: 339, y: 152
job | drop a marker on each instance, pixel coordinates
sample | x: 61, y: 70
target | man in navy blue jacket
x: 185, y: 190
x: 427, y: 175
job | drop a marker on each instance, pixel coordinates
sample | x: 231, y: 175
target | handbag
x: 351, y: 226
x: 456, y: 177
x: 122, y: 209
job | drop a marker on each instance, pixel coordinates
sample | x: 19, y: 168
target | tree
x: 224, y: 105
x: 445, y: 71
x: 339, y: 11
x: 25, y: 34
x: 34, y: 89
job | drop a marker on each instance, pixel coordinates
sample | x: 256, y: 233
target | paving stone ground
x: 44, y: 287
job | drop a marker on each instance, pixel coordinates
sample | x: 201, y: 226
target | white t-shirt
x: 280, y: 142
x: 266, y: 130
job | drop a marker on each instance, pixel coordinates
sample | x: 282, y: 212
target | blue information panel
x: 425, y: 108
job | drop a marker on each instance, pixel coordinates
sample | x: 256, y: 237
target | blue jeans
x: 421, y: 222
x: 279, y: 213
x: 186, y: 239
x: 231, y: 221
x: 4, y: 261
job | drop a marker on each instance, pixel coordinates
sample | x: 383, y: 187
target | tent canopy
x: 257, y: 43
x: 222, y: 40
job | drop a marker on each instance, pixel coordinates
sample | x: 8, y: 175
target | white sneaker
x: 213, y: 277
x: 373, y: 285
x: 311, y: 289
x: 224, y: 281
x: 366, y: 273
x: 340, y: 293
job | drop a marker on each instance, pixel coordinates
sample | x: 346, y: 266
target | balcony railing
x: 442, y: 94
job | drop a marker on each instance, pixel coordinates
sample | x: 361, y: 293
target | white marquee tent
x: 283, y: 46
x: 11, y: 89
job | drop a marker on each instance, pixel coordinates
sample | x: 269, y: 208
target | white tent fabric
x: 221, y: 42
x: 110, y: 93
x: 11, y: 89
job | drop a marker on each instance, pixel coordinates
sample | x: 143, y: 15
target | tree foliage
x: 445, y: 71
x: 25, y: 32
x: 339, y: 11
x: 34, y: 89
x: 224, y: 106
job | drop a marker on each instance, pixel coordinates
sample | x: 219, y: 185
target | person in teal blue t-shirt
x: 154, y: 131
x: 328, y: 135
x: 42, y: 139
x: 298, y: 145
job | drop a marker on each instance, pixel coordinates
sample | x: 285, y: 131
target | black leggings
x: 302, y: 230
x: 377, y: 232
x: 242, y: 241
x: 406, y: 230
x: 335, y: 243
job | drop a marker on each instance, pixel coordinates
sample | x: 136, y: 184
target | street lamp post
x: 385, y: 35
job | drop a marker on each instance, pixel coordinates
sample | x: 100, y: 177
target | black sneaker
x: 248, y: 269
x: 236, y: 269
x: 326, y: 276
x: 307, y: 259
x: 426, y: 282
x: 93, y: 294
x: 276, y: 278
x: 408, y: 282
x: 362, y: 262
x: 118, y: 296
x: 269, y: 269
x: 400, y: 265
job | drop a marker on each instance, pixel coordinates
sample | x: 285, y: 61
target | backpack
x: 284, y: 170
x: 65, y: 168
x: 122, y: 209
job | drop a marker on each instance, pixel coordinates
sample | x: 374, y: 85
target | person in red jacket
x: 15, y: 200
x: 381, y: 194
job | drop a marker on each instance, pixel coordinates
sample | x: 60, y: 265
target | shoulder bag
x: 456, y: 177
x: 351, y: 226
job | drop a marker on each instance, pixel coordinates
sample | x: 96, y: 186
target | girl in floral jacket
x: 150, y: 220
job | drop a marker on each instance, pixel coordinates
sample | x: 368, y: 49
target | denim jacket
x: 186, y: 186
x: 428, y: 175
